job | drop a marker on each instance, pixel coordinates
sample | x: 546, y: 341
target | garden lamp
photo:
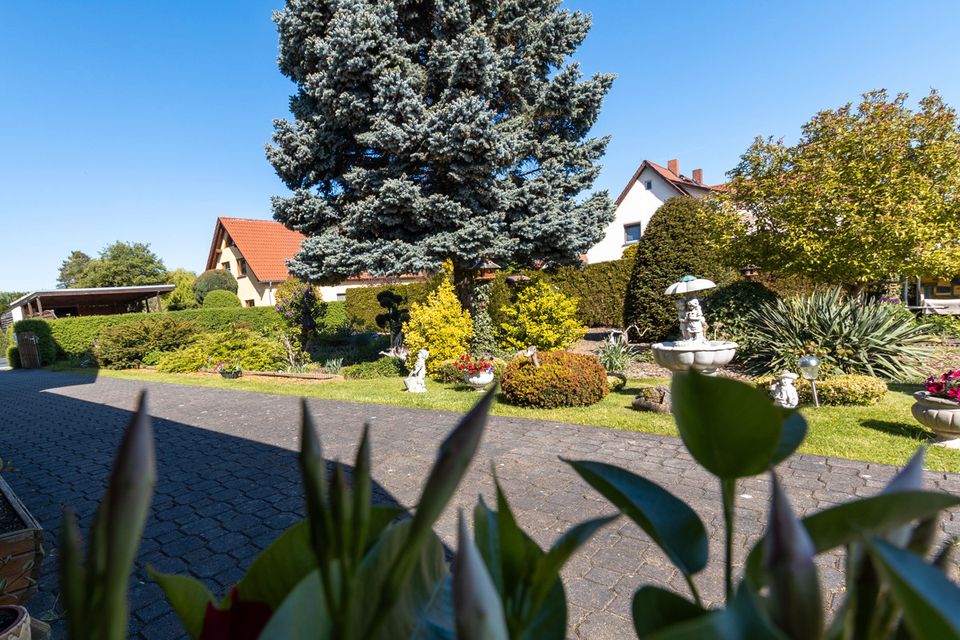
x: 810, y: 368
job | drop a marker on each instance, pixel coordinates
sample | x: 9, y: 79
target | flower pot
x: 479, y: 380
x: 940, y: 415
x: 21, y: 549
x: 14, y: 623
x: 230, y: 374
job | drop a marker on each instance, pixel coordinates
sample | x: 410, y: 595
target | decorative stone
x: 656, y: 399
x: 783, y: 391
x: 940, y: 415
x: 416, y: 381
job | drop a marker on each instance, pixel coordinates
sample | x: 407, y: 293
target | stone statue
x: 693, y: 325
x: 531, y: 352
x: 783, y: 392
x: 681, y: 312
x: 416, y: 381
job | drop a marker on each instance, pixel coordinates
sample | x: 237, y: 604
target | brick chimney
x: 698, y: 175
x: 674, y: 167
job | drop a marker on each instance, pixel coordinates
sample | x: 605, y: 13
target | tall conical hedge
x: 675, y: 243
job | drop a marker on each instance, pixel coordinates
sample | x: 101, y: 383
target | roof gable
x: 266, y: 245
x: 683, y: 185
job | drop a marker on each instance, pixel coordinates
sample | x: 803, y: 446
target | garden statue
x: 783, y: 392
x: 531, y: 352
x: 694, y: 325
x: 692, y: 350
x: 416, y: 381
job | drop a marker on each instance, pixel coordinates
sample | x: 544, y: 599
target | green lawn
x: 885, y: 432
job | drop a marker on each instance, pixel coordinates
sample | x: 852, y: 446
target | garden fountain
x: 693, y: 350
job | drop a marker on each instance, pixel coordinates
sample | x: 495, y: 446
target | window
x: 241, y: 268
x: 631, y: 233
x: 251, y: 303
x: 648, y: 184
x: 341, y: 297
x: 225, y: 265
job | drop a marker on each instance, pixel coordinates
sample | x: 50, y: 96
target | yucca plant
x: 615, y: 353
x: 848, y: 335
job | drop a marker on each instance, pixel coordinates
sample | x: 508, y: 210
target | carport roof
x: 94, y: 296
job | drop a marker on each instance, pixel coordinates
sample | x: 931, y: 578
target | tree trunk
x: 463, y: 284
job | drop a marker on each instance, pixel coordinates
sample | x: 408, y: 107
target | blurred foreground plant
x: 354, y: 569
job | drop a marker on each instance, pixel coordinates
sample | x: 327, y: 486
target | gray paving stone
x: 228, y: 482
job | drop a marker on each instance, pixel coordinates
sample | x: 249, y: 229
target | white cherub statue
x: 416, y: 381
x: 783, y: 392
x: 694, y: 324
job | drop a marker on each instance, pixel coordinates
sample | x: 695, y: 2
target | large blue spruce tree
x: 424, y: 130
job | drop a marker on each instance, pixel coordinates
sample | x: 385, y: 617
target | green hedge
x: 45, y: 341
x: 361, y: 306
x: 599, y: 288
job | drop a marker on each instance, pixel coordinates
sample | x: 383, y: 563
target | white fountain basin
x: 706, y: 356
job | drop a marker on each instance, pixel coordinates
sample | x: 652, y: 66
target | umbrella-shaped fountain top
x: 693, y: 350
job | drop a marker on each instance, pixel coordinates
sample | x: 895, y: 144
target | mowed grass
x: 884, y: 433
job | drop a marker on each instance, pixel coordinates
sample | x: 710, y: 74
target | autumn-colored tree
x: 868, y: 193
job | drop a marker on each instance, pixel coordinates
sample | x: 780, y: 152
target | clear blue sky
x: 144, y: 121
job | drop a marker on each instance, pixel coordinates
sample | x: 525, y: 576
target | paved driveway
x: 228, y: 484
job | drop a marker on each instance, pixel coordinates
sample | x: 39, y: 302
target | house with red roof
x: 256, y: 253
x: 650, y: 186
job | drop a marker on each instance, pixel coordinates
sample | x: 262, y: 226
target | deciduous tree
x: 124, y: 264
x: 868, y: 192
x: 426, y: 130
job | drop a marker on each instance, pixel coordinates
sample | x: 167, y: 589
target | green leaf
x: 188, y: 597
x: 795, y: 603
x: 550, y: 619
x: 420, y: 593
x: 279, y: 568
x: 362, y: 495
x: 656, y: 609
x: 794, y: 431
x: 486, y: 534
x: 73, y: 576
x: 744, y: 619
x: 669, y: 521
x: 303, y: 615
x: 930, y: 602
x: 381, y: 517
x: 478, y: 610
x: 730, y: 428
x: 853, y: 521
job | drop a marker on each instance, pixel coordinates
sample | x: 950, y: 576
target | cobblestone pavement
x: 228, y: 484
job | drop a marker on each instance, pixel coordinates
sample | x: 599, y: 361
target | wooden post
x: 39, y: 307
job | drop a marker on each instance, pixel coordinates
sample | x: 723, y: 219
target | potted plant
x: 229, y: 369
x: 938, y: 406
x: 477, y: 371
x: 14, y: 623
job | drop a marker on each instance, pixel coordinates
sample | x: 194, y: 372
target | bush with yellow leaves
x: 542, y: 317
x: 439, y: 325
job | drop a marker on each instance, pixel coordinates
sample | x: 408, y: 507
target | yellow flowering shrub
x: 439, y: 325
x: 542, y: 317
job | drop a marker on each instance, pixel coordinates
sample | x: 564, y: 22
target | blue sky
x: 144, y: 121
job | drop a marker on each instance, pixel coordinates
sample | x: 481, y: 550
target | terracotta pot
x: 479, y: 380
x: 940, y: 415
x: 19, y: 628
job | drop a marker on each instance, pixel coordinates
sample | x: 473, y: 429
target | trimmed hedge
x: 361, y: 306
x: 46, y: 343
x: 563, y: 379
x: 385, y: 367
x: 839, y: 390
x: 125, y: 346
x: 600, y: 288
x: 252, y: 351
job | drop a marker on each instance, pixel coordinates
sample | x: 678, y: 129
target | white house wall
x: 636, y: 207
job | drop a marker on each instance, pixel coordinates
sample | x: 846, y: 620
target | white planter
x: 479, y: 381
x: 940, y: 415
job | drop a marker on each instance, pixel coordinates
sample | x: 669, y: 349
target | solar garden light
x: 810, y: 369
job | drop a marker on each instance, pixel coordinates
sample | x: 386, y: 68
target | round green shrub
x: 213, y: 280
x: 675, y: 243
x: 838, y: 390
x: 385, y: 367
x: 46, y: 345
x: 220, y: 299
x: 563, y: 379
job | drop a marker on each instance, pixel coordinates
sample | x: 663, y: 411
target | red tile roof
x: 681, y: 183
x: 266, y: 245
